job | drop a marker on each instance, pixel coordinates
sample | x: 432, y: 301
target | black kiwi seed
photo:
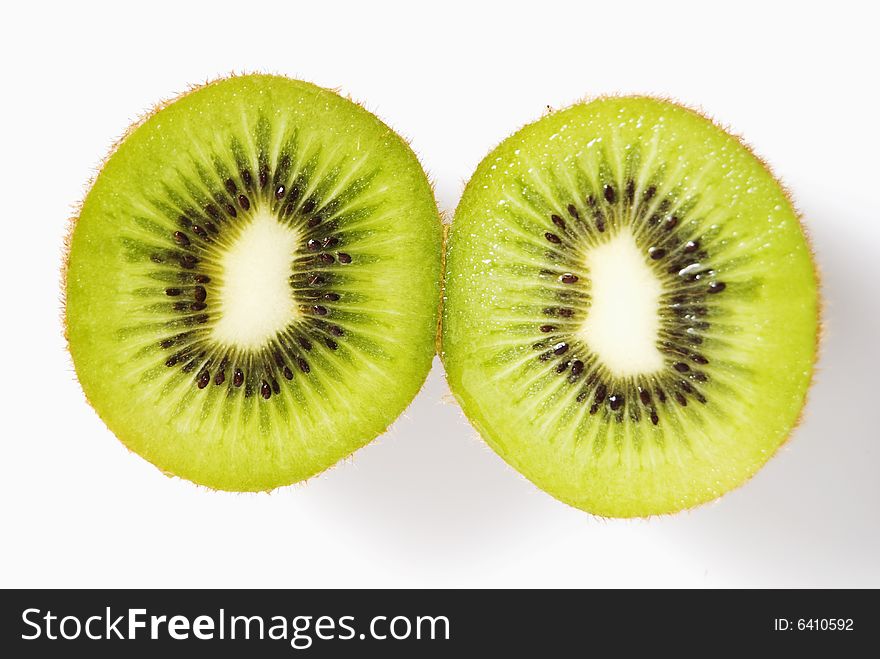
x: 343, y: 257
x: 577, y: 367
x: 656, y: 253
x: 318, y: 309
x: 199, y: 293
x: 181, y: 238
x: 336, y: 330
x: 244, y: 202
x: 333, y: 297
x: 265, y: 391
x: 173, y: 291
x: 313, y: 245
x: 615, y: 401
x: 608, y: 192
x: 303, y: 365
x: 552, y: 237
x: 213, y: 211
x: 560, y: 348
x: 568, y: 278
x: 328, y: 258
x: 204, y: 379
x: 279, y: 192
x: 219, y: 378
x: 202, y: 279
x: 681, y: 367
x: 691, y: 246
x: 237, y: 378
x: 547, y: 328
x: 279, y: 360
x: 573, y: 212
x: 717, y: 286
x: 558, y: 221
x: 644, y: 396
x: 188, y: 261
x: 630, y: 190
x: 601, y: 392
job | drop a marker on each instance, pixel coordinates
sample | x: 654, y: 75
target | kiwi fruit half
x: 252, y: 284
x: 631, y: 308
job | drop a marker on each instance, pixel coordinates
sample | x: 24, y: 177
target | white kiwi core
x: 256, y: 300
x: 621, y: 326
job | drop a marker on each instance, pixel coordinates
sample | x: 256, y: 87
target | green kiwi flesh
x: 630, y: 307
x: 252, y: 283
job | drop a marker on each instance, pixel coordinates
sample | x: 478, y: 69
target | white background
x: 429, y: 504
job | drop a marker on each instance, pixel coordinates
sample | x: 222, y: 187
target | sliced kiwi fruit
x: 631, y: 309
x: 252, y: 283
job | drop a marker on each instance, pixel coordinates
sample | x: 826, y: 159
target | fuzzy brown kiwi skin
x: 77, y: 211
x: 820, y: 303
x: 438, y: 341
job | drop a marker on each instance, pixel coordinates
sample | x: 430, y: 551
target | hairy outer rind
x: 447, y: 361
x: 75, y: 216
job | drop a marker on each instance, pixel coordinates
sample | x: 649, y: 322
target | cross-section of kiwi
x: 252, y: 283
x: 630, y: 313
